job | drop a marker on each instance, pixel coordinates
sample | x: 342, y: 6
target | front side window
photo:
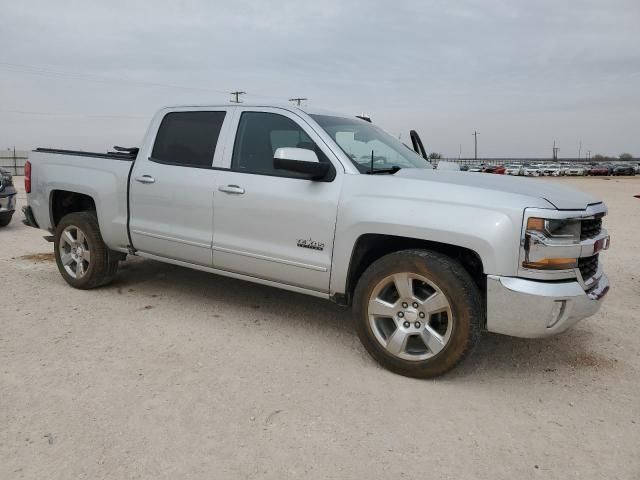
x: 260, y: 134
x: 362, y: 142
x: 188, y: 138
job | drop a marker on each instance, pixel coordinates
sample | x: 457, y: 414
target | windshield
x: 358, y: 139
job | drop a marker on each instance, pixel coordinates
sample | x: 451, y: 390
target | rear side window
x: 260, y: 134
x: 188, y: 138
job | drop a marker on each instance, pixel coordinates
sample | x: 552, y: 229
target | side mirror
x: 300, y: 160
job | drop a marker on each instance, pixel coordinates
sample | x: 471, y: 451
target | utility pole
x: 579, y: 149
x: 298, y: 100
x: 237, y: 95
x: 588, y: 154
x: 475, y: 143
x: 460, y: 152
x: 555, y: 151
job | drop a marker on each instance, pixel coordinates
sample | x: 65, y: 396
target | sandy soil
x: 172, y: 373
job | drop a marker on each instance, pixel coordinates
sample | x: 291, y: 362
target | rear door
x: 268, y: 223
x: 173, y: 183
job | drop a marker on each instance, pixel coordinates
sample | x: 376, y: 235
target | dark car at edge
x: 7, y: 197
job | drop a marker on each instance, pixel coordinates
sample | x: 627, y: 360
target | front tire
x: 83, y: 259
x: 417, y: 312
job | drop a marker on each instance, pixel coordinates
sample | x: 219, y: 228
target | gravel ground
x: 177, y: 374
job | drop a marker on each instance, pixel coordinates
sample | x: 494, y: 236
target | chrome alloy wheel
x: 74, y: 252
x: 410, y: 316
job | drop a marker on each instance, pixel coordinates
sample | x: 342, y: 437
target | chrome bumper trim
x: 7, y: 203
x: 531, y: 309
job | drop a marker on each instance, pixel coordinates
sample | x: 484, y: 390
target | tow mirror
x: 300, y: 160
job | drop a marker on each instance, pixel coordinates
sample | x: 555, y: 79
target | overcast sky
x: 90, y: 74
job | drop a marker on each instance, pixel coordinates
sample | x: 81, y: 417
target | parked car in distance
x: 294, y: 198
x: 514, y: 170
x: 7, y: 197
x: 446, y: 165
x: 498, y: 169
x: 623, y: 170
x: 474, y: 168
x: 551, y: 170
x: 598, y: 170
x: 576, y: 170
x: 531, y: 171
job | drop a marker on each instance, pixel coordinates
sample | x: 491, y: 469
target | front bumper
x: 532, y: 309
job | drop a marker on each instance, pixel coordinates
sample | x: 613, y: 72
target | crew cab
x: 330, y: 205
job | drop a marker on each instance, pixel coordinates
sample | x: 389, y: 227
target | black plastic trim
x: 186, y: 165
x: 330, y: 176
x: 313, y: 170
x: 340, y: 299
x: 132, y: 249
x: 109, y: 155
x: 29, y: 220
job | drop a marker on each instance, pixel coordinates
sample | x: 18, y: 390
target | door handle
x: 145, y: 179
x: 232, y: 189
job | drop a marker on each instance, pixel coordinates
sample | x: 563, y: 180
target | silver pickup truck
x: 331, y: 206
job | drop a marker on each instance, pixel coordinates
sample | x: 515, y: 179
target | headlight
x: 564, y: 229
x: 543, y: 242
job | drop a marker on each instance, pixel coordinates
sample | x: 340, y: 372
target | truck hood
x: 559, y: 196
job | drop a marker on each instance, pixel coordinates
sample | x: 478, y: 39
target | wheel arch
x: 370, y: 247
x: 63, y: 202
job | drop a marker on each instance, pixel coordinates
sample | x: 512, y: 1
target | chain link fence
x: 13, y: 161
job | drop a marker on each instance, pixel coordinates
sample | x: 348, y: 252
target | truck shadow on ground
x: 495, y: 354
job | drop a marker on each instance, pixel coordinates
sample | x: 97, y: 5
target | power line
x: 90, y: 115
x: 57, y: 73
x: 298, y: 100
x: 47, y: 72
x: 237, y: 95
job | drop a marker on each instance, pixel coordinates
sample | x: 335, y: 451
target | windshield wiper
x: 374, y: 171
x: 391, y: 170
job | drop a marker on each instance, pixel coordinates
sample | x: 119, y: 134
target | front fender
x: 493, y: 234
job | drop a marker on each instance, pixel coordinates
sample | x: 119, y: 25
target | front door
x: 268, y: 223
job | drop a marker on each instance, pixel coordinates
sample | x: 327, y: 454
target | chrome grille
x: 588, y: 267
x: 590, y: 228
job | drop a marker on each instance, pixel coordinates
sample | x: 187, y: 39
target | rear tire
x: 5, y: 220
x: 83, y: 259
x: 426, y: 328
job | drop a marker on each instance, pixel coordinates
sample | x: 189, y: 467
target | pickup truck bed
x: 107, y: 188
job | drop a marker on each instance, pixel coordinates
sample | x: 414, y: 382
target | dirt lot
x: 172, y: 373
